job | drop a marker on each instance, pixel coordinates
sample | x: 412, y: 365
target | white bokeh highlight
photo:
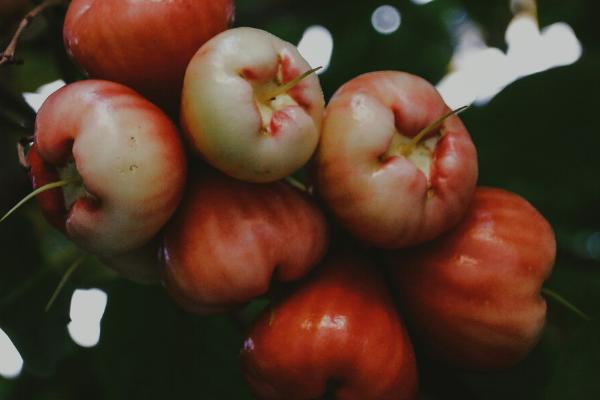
x: 479, y: 72
x: 316, y: 46
x: 531, y: 50
x: 386, y: 19
x: 11, y: 362
x: 35, y: 100
x: 87, y: 309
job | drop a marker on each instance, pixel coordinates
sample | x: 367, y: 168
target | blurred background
x: 533, y: 77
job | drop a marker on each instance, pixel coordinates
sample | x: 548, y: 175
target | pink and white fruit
x: 229, y: 239
x: 382, y: 187
x: 473, y: 296
x: 144, y: 44
x: 234, y: 112
x: 125, y: 159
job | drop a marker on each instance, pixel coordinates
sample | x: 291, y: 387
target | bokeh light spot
x: 386, y: 19
x: 87, y: 309
x: 316, y: 46
x: 11, y: 362
x: 35, y: 100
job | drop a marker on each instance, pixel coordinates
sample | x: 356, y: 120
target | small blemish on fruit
x: 133, y: 167
x: 249, y: 74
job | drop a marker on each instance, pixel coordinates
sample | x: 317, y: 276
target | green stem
x: 561, y: 300
x: 41, y: 189
x: 64, y: 280
x: 296, y: 183
x: 269, y: 96
x: 406, y: 149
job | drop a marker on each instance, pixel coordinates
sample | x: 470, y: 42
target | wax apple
x: 229, y: 239
x: 244, y: 110
x: 338, y: 332
x: 144, y: 44
x: 122, y: 159
x: 384, y: 181
x: 473, y: 295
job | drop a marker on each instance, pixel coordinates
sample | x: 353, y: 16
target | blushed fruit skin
x: 387, y: 201
x: 143, y: 44
x: 473, y: 296
x: 126, y: 151
x: 229, y: 239
x: 338, y: 331
x: 221, y: 111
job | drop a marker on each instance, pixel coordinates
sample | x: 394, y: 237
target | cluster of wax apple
x: 398, y: 170
x: 248, y: 107
x: 392, y: 165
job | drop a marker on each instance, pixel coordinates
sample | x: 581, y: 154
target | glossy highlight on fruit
x: 472, y: 297
x: 338, y: 332
x: 382, y: 187
x: 229, y: 239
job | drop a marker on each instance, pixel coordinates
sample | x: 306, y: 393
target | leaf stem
x: 406, y: 149
x: 64, y: 280
x: 561, y: 300
x: 269, y: 96
x: 41, y: 189
x: 296, y: 183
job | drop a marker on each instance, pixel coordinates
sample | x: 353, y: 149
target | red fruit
x: 473, y: 295
x: 338, y: 331
x: 127, y: 159
x: 382, y: 189
x: 144, y: 44
x: 229, y: 239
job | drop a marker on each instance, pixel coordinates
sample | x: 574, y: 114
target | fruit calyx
x: 75, y: 189
x: 419, y: 149
x: 273, y: 97
x: 272, y: 93
x: 41, y: 189
x: 72, y: 188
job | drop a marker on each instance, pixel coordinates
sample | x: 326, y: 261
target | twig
x: 561, y: 300
x: 296, y: 183
x: 8, y: 56
x: 64, y: 280
x: 41, y: 189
